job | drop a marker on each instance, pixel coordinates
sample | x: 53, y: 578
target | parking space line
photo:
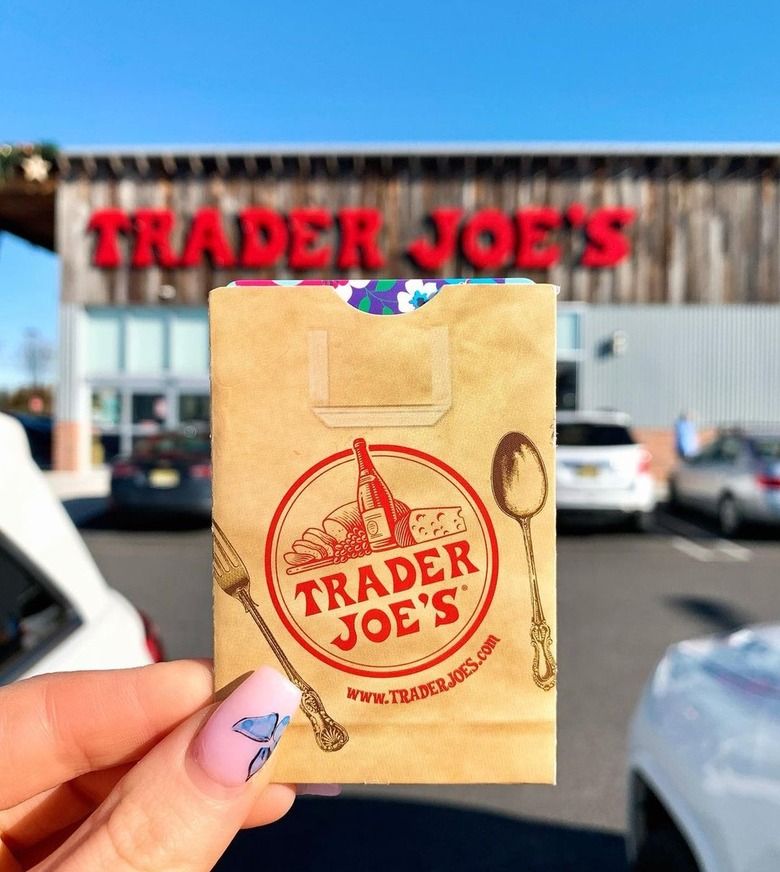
x: 734, y: 551
x: 700, y: 543
x: 698, y: 552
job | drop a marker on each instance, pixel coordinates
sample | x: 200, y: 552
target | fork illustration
x: 231, y: 575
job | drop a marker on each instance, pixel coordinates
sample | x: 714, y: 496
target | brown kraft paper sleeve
x: 384, y: 507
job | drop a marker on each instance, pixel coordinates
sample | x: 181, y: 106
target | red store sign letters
x: 489, y: 239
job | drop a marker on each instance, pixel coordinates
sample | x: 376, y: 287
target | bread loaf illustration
x: 341, y: 521
x: 343, y: 536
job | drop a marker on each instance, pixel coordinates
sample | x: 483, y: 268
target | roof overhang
x: 27, y: 210
x: 435, y: 149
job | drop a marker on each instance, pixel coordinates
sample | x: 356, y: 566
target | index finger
x: 56, y: 727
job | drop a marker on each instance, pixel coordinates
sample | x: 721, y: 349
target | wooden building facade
x: 644, y: 225
x: 144, y: 235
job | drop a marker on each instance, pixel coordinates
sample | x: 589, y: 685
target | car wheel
x: 643, y: 522
x: 665, y: 850
x: 729, y: 519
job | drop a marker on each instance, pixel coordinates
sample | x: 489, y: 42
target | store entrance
x: 566, y: 386
x: 122, y: 414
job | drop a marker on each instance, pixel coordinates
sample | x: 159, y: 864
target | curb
x: 92, y: 484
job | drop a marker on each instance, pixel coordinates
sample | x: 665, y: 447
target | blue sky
x: 96, y: 73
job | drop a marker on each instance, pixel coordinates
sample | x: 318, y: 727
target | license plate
x: 587, y: 471
x: 164, y: 478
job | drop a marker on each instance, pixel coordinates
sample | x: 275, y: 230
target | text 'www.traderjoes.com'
x: 430, y: 688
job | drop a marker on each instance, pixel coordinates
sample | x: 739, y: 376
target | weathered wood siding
x: 707, y: 228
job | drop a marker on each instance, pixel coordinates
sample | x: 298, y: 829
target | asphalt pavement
x: 623, y: 598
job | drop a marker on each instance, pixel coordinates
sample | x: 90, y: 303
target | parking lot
x: 623, y: 597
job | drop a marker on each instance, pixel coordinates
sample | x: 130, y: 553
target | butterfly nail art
x: 267, y: 729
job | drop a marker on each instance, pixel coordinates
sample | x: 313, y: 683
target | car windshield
x: 768, y: 448
x: 172, y: 444
x: 593, y: 435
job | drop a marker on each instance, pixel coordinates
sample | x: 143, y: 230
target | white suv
x: 56, y: 611
x: 704, y: 758
x: 601, y: 471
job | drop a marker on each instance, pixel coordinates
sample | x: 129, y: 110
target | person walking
x: 686, y: 438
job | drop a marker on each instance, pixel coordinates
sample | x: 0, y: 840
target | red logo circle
x: 381, y: 560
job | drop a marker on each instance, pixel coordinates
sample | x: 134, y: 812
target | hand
x: 126, y: 770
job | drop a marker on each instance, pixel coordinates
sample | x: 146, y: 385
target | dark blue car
x: 39, y: 434
x: 166, y: 473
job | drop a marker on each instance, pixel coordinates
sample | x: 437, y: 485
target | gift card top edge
x: 383, y: 296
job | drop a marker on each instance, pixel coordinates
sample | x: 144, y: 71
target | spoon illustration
x: 520, y: 489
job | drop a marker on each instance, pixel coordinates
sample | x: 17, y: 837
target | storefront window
x: 111, y: 444
x: 106, y: 407
x: 570, y: 353
x: 104, y: 341
x: 149, y: 411
x: 566, y: 386
x: 190, y: 343
x: 146, y: 342
x: 569, y: 340
x: 194, y: 408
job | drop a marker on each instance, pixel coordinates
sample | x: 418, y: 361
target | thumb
x: 180, y: 806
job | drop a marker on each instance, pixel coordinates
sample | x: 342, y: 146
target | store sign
x: 488, y: 239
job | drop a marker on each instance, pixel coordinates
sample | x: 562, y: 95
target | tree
x: 37, y: 354
x: 29, y: 400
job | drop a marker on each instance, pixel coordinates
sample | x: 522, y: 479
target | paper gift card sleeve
x: 384, y: 523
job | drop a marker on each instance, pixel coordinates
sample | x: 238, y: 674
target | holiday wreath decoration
x: 32, y: 162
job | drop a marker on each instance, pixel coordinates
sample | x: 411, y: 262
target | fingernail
x: 318, y: 789
x: 241, y: 735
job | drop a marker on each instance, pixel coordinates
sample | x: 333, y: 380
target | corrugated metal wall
x: 721, y: 362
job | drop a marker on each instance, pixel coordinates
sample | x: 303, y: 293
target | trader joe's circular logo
x: 381, y: 560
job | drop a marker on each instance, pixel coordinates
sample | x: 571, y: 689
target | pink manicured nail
x: 241, y: 734
x: 318, y: 789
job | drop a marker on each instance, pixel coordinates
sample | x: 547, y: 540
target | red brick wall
x: 659, y: 441
x: 66, y: 445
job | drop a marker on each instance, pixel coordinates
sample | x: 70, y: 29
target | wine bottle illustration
x: 375, y: 501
